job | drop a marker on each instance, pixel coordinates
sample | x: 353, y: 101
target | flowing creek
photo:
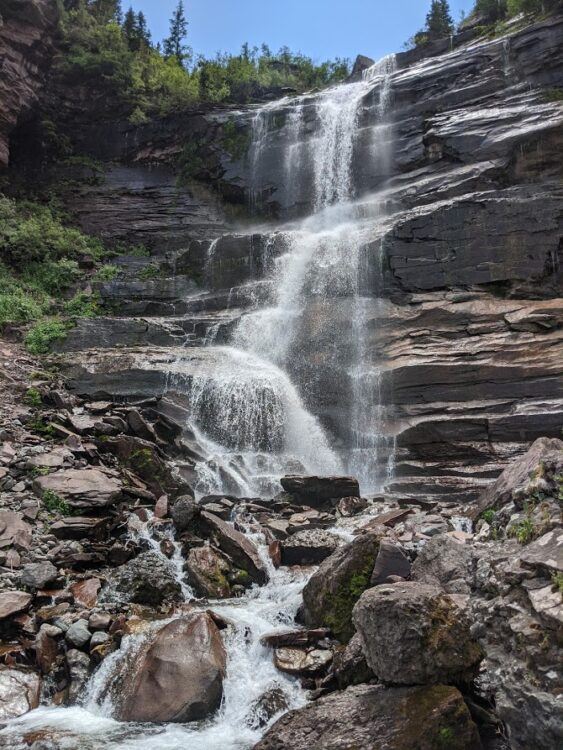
x: 254, y: 414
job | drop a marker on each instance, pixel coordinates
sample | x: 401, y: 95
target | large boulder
x: 82, y: 488
x: 536, y: 470
x: 413, y: 633
x: 372, y: 717
x: 391, y: 561
x: 147, y: 579
x: 19, y: 692
x: 183, y: 512
x: 314, y: 491
x: 235, y: 544
x: 308, y: 547
x: 179, y: 676
x: 332, y: 591
x: 38, y: 575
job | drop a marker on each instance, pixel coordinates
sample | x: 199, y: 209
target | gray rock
x: 315, y: 491
x: 78, y: 634
x: 38, y: 575
x: 308, y: 547
x: 147, y: 579
x: 98, y: 638
x: 370, y: 717
x: 444, y: 562
x: 350, y: 665
x: 412, y: 633
x: 13, y: 602
x: 391, y: 561
x: 183, y: 512
x: 82, y: 488
x: 298, y: 661
x: 19, y: 692
x: 79, y: 671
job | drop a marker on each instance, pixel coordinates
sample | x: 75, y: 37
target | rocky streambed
x: 133, y: 616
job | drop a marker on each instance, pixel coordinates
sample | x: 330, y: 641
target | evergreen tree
x: 143, y: 30
x: 439, y: 22
x: 106, y: 10
x: 130, y: 27
x: 174, y: 45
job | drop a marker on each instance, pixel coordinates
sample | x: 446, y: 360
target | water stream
x: 258, y: 411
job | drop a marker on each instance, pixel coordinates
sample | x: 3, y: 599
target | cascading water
x: 261, y: 407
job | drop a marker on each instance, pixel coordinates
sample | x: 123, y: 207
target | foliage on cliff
x: 41, y: 277
x: 118, y: 59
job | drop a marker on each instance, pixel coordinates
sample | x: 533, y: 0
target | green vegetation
x: 149, y: 272
x: 557, y: 580
x: 553, y: 95
x: 115, y: 56
x: 38, y: 340
x: 439, y: 24
x: 488, y: 516
x: 106, y: 273
x: 55, y: 503
x: 32, y: 397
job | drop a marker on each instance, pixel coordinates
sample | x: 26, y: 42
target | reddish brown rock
x: 86, y: 592
x: 12, y: 602
x: 179, y: 677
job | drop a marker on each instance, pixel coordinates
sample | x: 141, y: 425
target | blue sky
x: 320, y: 28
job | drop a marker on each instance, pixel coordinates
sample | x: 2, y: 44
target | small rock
x: 78, y: 634
x: 297, y: 661
x: 38, y: 575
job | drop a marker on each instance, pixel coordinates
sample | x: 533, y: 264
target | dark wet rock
x: 297, y: 661
x: 369, y: 717
x: 266, y: 707
x: 315, y: 491
x: 146, y: 579
x: 179, y: 676
x: 299, y: 638
x: 46, y: 647
x: 79, y: 672
x: 351, y: 506
x: 19, y: 692
x: 140, y: 426
x: 332, y: 591
x: 413, y: 633
x: 38, y: 575
x: 391, y: 561
x: 12, y: 602
x: 308, y: 547
x: 80, y: 527
x: 235, y: 544
x: 207, y: 572
x: 183, y: 512
x: 444, y: 562
x: 82, y: 488
x: 350, y: 665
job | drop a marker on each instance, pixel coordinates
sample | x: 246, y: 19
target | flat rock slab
x: 80, y: 527
x: 298, y: 661
x: 14, y: 530
x: 82, y: 488
x: 12, y: 602
x: 308, y: 547
x: 372, y: 717
x: 546, y: 553
x: 315, y: 491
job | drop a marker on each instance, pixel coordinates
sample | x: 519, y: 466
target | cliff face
x: 26, y: 44
x: 468, y: 335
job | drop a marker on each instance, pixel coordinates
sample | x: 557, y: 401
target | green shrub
x: 488, y: 516
x: 43, y: 334
x: 19, y: 307
x: 149, y: 272
x: 55, y: 503
x: 82, y: 305
x: 32, y: 397
x: 107, y: 273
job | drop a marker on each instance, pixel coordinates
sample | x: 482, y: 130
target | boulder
x: 413, y: 633
x: 46, y: 647
x: 267, y: 706
x: 79, y: 672
x: 298, y: 661
x: 545, y: 456
x: 350, y: 665
x: 78, y: 634
x: 19, y: 692
x: 183, y: 512
x: 351, y: 506
x: 82, y: 488
x: 146, y: 579
x: 179, y: 676
x: 332, y: 591
x: 38, y: 575
x: 299, y: 638
x: 235, y: 544
x: 207, y: 572
x: 444, y: 562
x: 315, y: 491
x: 373, y: 717
x: 308, y: 547
x: 80, y: 527
x: 545, y: 554
x: 12, y: 602
x: 391, y: 561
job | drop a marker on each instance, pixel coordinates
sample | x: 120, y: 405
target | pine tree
x: 174, y: 45
x: 130, y: 27
x: 143, y: 30
x: 439, y: 22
